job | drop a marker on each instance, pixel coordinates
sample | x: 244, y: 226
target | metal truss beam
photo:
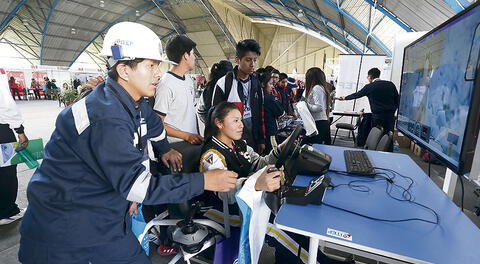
x: 390, y: 15
x: 45, y: 27
x: 355, y: 49
x: 10, y: 16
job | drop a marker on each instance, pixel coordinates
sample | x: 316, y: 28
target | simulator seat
x: 191, y: 235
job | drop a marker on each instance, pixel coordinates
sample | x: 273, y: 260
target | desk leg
x: 312, y: 251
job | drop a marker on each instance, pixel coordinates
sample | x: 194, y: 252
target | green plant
x: 69, y: 95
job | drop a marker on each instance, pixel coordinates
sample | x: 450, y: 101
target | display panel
x: 437, y: 88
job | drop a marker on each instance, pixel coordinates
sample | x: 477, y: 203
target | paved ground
x: 40, y: 118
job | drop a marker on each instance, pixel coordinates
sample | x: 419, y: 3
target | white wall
x: 401, y: 41
x: 351, y: 73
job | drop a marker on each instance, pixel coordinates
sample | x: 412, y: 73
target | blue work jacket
x: 95, y: 163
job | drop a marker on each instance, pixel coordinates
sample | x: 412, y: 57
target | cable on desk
x: 406, y: 194
x: 381, y: 219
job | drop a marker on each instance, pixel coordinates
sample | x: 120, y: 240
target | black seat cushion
x: 345, y: 126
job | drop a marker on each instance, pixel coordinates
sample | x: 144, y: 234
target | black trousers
x: 387, y: 122
x: 8, y: 179
x: 363, y: 129
x: 15, y: 91
x: 37, y: 93
x: 384, y: 120
x: 323, y: 137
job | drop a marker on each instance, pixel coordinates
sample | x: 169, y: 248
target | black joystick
x: 272, y: 169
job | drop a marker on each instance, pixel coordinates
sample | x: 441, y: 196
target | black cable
x: 429, y: 164
x: 407, y: 191
x: 381, y: 219
x: 461, y: 183
x: 299, y: 253
x: 408, y: 197
x: 460, y: 176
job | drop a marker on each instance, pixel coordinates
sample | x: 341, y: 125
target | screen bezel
x: 459, y: 169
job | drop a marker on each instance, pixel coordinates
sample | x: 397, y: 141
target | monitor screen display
x: 437, y: 84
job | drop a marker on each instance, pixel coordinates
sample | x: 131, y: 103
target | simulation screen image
x: 437, y: 83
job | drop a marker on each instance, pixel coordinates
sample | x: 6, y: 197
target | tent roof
x: 57, y: 32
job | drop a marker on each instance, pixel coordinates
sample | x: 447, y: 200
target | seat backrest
x: 190, y: 155
x: 373, y: 138
x: 385, y: 141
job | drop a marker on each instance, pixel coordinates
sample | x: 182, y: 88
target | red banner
x: 38, y: 76
x: 19, y: 78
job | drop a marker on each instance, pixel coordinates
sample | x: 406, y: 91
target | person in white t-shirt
x: 174, y: 100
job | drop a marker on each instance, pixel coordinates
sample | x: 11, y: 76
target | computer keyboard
x: 357, y: 162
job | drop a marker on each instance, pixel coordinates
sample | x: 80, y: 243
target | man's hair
x: 112, y: 71
x: 177, y: 46
x: 264, y: 77
x: 269, y: 68
x: 282, y: 76
x: 247, y: 45
x: 374, y: 72
x: 276, y: 71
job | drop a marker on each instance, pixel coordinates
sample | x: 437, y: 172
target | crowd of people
x: 48, y: 89
x: 92, y: 176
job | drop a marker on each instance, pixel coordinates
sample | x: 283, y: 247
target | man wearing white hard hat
x: 97, y: 162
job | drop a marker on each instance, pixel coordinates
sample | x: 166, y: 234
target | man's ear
x: 184, y: 57
x: 123, y: 71
x: 237, y: 60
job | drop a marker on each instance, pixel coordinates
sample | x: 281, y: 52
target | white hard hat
x: 129, y: 41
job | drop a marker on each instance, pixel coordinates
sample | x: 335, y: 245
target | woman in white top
x: 317, y: 97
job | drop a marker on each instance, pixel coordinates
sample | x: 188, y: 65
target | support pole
x: 450, y: 183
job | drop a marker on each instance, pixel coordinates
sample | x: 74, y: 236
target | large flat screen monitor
x: 439, y: 97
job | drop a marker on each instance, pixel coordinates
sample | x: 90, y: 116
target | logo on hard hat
x: 123, y: 42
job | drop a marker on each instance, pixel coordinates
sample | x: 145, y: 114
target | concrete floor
x: 39, y: 122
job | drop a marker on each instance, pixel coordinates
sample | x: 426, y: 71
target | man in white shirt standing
x: 10, y: 120
x: 174, y: 103
x: 174, y: 99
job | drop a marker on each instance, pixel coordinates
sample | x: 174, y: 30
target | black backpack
x: 207, y: 94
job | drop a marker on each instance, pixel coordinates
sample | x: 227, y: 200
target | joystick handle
x: 272, y: 169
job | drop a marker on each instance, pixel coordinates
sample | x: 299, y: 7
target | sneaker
x: 13, y: 218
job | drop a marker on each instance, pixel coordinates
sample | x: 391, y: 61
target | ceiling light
x: 73, y: 31
x: 102, y: 3
x: 25, y: 23
x: 137, y: 13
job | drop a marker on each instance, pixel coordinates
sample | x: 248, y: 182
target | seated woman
x: 224, y: 149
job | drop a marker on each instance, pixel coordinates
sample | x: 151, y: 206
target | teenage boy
x: 241, y: 86
x: 285, y: 93
x: 174, y: 100
x: 97, y: 162
x: 275, y: 77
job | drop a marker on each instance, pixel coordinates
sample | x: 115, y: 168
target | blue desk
x: 454, y: 240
